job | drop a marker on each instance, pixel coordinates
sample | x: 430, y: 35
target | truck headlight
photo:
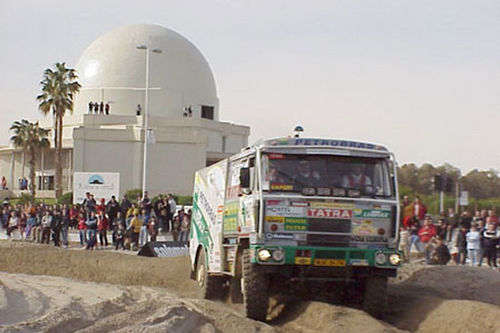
x: 278, y: 254
x: 264, y: 254
x: 380, y: 258
x: 395, y: 259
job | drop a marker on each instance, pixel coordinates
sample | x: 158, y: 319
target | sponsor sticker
x: 329, y: 212
x: 286, y: 211
x: 321, y: 204
x: 275, y: 219
x: 330, y: 262
x: 368, y: 238
x: 302, y: 261
x: 270, y: 235
x: 295, y: 227
x: 372, y: 214
x: 359, y: 262
x: 281, y: 187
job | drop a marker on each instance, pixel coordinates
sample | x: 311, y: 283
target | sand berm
x: 47, y: 289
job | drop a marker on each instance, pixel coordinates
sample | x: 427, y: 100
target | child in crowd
x: 120, y: 237
x: 404, y: 243
x: 473, y: 245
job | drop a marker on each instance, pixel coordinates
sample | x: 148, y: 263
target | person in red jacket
x: 102, y: 227
x: 427, y: 234
x: 419, y: 210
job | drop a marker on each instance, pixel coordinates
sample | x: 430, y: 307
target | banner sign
x: 100, y: 184
x: 164, y: 249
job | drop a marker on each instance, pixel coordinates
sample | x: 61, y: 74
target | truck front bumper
x: 324, y: 256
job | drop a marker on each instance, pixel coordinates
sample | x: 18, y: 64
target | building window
x: 46, y: 183
x: 207, y: 112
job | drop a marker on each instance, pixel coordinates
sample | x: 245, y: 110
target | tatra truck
x: 297, y: 214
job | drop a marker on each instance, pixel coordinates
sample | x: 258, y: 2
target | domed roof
x: 113, y: 70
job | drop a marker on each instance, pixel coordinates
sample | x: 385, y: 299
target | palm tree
x: 59, y: 87
x: 31, y: 138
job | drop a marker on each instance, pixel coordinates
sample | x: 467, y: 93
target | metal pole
x: 146, y: 110
x: 441, y: 202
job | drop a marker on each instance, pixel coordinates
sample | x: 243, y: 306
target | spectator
x: 106, y: 108
x: 441, y: 254
x: 466, y: 220
x: 493, y: 217
x: 185, y: 227
x: 146, y: 203
x: 426, y: 234
x: 153, y: 228
x: 102, y: 227
x: 143, y: 232
x: 82, y: 229
x: 414, y: 238
x: 56, y: 227
x: 419, y: 210
x: 473, y: 239
x: 13, y: 223
x: 490, y: 243
x: 101, y: 108
x: 120, y: 237
x: 404, y: 243
x: 135, y: 228
x: 461, y: 244
x: 91, y: 223
x: 481, y: 229
x: 30, y: 225
x: 176, y: 224
x: 173, y: 208
x: 65, y: 226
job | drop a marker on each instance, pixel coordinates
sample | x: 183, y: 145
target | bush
x: 132, y: 194
x: 25, y: 198
x: 66, y: 198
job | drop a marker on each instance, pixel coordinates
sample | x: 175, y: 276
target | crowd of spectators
x: 461, y: 238
x: 130, y: 225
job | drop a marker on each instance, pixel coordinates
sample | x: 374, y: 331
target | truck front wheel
x: 375, y: 295
x: 255, y: 289
x: 210, y: 287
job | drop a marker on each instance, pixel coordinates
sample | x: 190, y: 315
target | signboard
x: 164, y: 249
x: 100, y: 184
x: 464, y: 198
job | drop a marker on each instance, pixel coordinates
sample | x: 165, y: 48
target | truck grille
x: 329, y: 225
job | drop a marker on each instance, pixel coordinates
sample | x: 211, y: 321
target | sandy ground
x: 103, y: 291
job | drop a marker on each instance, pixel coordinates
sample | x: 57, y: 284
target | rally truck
x: 297, y: 213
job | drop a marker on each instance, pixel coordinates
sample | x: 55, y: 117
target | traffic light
x: 448, y: 187
x: 438, y: 183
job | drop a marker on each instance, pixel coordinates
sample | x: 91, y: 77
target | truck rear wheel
x: 375, y: 295
x: 255, y: 289
x: 210, y: 287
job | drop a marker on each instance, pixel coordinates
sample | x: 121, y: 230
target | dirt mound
x: 445, y: 299
x: 135, y: 294
x: 321, y: 317
x: 41, y: 303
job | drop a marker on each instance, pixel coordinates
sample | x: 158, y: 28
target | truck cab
x: 297, y: 212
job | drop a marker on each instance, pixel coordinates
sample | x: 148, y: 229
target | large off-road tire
x: 210, y: 287
x: 255, y: 289
x: 375, y: 296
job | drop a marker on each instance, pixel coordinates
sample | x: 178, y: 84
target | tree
x: 30, y: 138
x: 59, y: 87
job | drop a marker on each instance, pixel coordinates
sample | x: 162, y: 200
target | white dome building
x: 183, y: 116
x: 113, y: 70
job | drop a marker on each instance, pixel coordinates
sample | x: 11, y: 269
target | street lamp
x: 146, y: 115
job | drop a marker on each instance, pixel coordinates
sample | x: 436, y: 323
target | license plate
x: 329, y: 262
x: 302, y: 261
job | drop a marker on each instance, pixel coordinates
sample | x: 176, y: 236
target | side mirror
x: 245, y: 178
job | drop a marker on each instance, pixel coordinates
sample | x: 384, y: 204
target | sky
x: 420, y: 77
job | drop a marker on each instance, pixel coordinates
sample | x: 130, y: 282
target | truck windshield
x: 327, y: 175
